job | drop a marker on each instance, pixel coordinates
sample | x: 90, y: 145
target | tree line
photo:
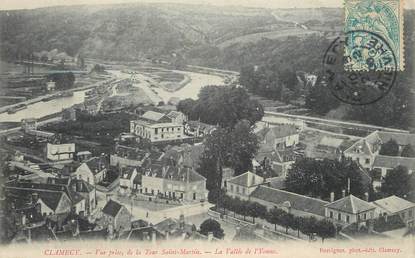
x: 276, y: 216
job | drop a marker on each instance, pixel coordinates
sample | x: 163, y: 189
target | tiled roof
x: 247, y: 179
x: 173, y: 226
x: 382, y: 161
x: 97, y: 164
x: 142, y: 234
x: 270, y: 133
x: 176, y: 173
x: 138, y: 179
x: 394, y: 204
x: 297, y: 201
x: 351, y: 204
x: 112, y: 208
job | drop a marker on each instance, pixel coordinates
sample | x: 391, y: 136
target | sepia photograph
x: 207, y: 128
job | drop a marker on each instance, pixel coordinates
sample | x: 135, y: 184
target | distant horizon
x: 271, y: 4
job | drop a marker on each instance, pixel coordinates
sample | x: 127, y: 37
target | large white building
x: 157, y: 127
x: 57, y: 152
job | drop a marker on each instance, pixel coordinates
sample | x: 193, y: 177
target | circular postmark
x: 360, y: 67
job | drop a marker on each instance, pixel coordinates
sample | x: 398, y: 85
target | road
x: 335, y: 122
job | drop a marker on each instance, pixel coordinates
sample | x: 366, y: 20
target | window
x: 231, y: 188
x: 367, y: 161
x: 347, y: 218
x: 331, y: 214
x: 410, y: 213
x: 364, y: 216
x: 156, y: 131
x: 243, y: 190
x: 145, y: 190
x: 339, y: 216
x: 152, y: 192
x: 194, y: 196
x: 237, y: 189
x: 403, y: 215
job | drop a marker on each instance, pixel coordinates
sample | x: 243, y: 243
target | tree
x: 308, y: 225
x: 286, y: 220
x: 319, y: 178
x: 397, y: 182
x: 256, y: 210
x: 63, y: 81
x: 273, y: 216
x: 223, y: 106
x: 244, y: 145
x: 325, y: 229
x: 186, y: 107
x: 408, y: 151
x: 389, y: 148
x: 320, y: 100
x: 211, y: 225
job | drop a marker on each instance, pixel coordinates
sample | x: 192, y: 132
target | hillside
x: 134, y: 31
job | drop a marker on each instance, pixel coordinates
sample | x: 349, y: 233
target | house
x: 198, y: 129
x: 296, y: 204
x: 394, y: 205
x: 382, y: 164
x: 81, y: 156
x: 177, y: 117
x: 117, y: 216
x: 227, y: 173
x: 128, y: 174
x: 365, y: 151
x: 59, y: 152
x: 69, y: 114
x: 272, y: 162
x: 79, y: 186
x: 280, y: 136
x: 40, y: 134
x: 128, y: 157
x: 157, y: 127
x: 29, y: 124
x: 54, y: 199
x: 350, y: 209
x: 173, y: 182
x: 243, y: 185
x: 174, y: 228
x: 146, y: 234
x: 328, y: 148
x: 93, y: 171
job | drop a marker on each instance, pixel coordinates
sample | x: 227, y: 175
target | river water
x: 41, y: 109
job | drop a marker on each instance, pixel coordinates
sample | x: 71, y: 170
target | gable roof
x: 351, y: 204
x: 175, y: 173
x: 112, y: 208
x: 174, y: 114
x: 383, y: 161
x: 297, y: 201
x: 97, y: 164
x: 247, y: 179
x: 393, y: 204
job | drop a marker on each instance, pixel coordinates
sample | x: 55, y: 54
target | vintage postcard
x: 207, y: 128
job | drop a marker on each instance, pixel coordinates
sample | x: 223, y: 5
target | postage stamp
x: 381, y: 17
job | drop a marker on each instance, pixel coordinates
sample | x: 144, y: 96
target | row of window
x: 346, y: 218
x: 168, y: 129
x: 241, y: 190
x: 169, y: 194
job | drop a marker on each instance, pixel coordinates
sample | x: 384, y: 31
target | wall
x: 116, y: 160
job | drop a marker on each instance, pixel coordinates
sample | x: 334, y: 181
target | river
x: 41, y: 109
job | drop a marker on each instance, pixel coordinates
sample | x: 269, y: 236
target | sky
x: 30, y: 4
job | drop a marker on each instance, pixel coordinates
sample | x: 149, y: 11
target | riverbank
x: 54, y: 95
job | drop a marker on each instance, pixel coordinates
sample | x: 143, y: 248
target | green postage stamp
x: 374, y: 28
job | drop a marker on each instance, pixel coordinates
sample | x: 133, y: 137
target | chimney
x: 332, y: 197
x: 210, y: 236
x: 367, y: 196
x: 343, y: 193
x: 153, y: 237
